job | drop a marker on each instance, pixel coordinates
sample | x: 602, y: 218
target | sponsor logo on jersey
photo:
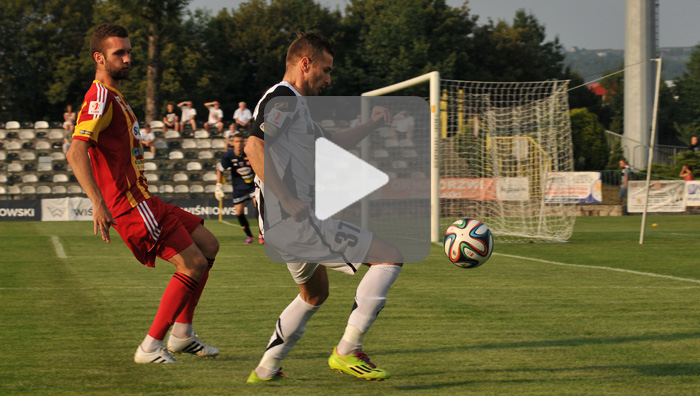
x: 281, y: 105
x: 95, y: 108
x: 85, y: 133
x: 276, y: 118
x: 135, y: 130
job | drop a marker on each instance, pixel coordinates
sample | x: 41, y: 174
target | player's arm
x: 182, y: 104
x: 351, y: 137
x: 255, y: 150
x: 79, y: 161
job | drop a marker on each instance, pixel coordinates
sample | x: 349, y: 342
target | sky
x: 589, y: 24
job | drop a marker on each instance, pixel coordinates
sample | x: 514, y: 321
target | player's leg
x: 243, y: 221
x: 313, y: 291
x: 370, y: 299
x: 182, y: 337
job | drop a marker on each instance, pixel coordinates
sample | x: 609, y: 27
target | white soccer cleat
x: 191, y: 345
x: 159, y: 356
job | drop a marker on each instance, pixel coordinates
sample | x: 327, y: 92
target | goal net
x: 496, y: 143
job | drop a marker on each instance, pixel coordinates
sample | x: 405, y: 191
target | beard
x: 118, y: 73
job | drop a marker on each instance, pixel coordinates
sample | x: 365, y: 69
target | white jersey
x: 290, y: 134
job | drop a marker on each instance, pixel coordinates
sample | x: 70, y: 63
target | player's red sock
x: 176, y: 295
x: 188, y: 312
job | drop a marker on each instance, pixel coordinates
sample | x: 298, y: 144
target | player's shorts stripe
x: 149, y: 220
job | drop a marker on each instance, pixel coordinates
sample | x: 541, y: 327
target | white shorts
x: 335, y: 244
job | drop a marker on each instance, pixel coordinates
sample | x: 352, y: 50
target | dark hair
x: 309, y: 45
x: 102, y: 33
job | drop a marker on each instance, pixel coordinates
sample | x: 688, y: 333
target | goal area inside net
x: 493, y: 147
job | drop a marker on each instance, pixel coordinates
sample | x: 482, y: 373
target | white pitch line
x: 601, y: 268
x: 60, y: 253
x: 227, y: 223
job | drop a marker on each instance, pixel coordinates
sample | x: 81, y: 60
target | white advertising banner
x: 578, y: 187
x: 66, y: 209
x: 664, y: 196
x: 692, y: 193
x: 513, y: 189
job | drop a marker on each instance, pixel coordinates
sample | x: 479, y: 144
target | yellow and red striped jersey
x: 108, y: 123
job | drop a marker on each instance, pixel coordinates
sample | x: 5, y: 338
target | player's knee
x: 393, y: 255
x: 315, y: 298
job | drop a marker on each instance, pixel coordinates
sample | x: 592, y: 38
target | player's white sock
x: 150, y: 344
x: 289, y: 329
x: 182, y: 330
x: 369, y: 300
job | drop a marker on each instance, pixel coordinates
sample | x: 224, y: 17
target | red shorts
x: 156, y: 229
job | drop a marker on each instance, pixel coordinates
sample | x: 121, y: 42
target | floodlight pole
x: 651, y: 150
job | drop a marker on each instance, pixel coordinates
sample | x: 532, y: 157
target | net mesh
x: 498, y: 143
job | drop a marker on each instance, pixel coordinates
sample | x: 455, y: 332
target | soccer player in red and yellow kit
x: 106, y: 156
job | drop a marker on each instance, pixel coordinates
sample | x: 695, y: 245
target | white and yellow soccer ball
x: 468, y: 243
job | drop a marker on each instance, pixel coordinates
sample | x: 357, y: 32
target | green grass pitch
x: 600, y: 315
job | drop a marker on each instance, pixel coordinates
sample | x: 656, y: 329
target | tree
x: 588, y: 135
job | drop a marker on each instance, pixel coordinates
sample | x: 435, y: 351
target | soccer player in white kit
x: 290, y: 132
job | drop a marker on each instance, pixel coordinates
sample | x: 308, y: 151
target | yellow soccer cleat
x: 253, y: 378
x: 357, y: 365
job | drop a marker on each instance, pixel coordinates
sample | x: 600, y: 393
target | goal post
x: 494, y: 146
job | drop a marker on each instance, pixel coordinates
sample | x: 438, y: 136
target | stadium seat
x: 178, y: 166
x: 182, y: 188
x: 218, y: 144
x: 60, y: 178
x: 27, y: 156
x: 194, y: 166
x: 381, y: 153
x: 14, y: 167
x: 391, y: 175
x: 30, y: 178
x: 180, y: 177
x: 56, y: 124
x: 417, y: 175
x: 209, y: 177
x: 409, y: 153
x: 161, y: 144
x: 206, y: 154
x: 56, y: 135
x: 41, y: 135
x: 195, y: 177
x: 43, y: 145
x: 14, y: 190
x: 391, y: 143
x: 172, y: 134
x: 201, y: 134
x: 43, y: 190
x: 58, y: 156
x: 27, y: 135
x: 2, y: 134
x: 2, y: 156
x: 151, y: 177
x: 28, y: 190
x: 400, y: 164
x: 187, y: 133
x: 28, y: 145
x: 189, y: 144
x: 157, y: 124
x: 12, y: 125
x: 406, y: 143
x: 385, y: 132
x: 30, y: 167
x: 41, y: 125
x: 75, y: 189
x: 11, y: 156
x: 190, y: 154
x: 13, y: 146
x: 228, y: 189
x: 327, y: 123
x: 58, y: 190
x: 59, y: 166
x: 203, y: 144
x: 150, y: 166
x: 3, y: 178
x: 210, y: 188
x: 147, y: 155
x: 26, y: 125
x: 196, y: 189
x: 45, y: 178
x: 3, y: 190
x: 176, y: 155
x: 167, y: 188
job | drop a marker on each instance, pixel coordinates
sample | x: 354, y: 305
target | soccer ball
x: 468, y: 243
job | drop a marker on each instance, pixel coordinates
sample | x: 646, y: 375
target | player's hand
x: 381, y: 115
x: 219, y: 192
x: 297, y: 209
x: 102, y: 220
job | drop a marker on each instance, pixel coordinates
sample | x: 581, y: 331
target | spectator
x: 148, y: 138
x: 403, y: 124
x: 171, y: 119
x: 356, y: 122
x: 69, y: 119
x: 694, y: 147
x: 216, y: 117
x: 243, y: 118
x: 626, y: 172
x: 687, y: 173
x: 188, y: 114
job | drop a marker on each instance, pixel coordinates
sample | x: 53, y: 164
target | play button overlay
x: 339, y: 187
x: 342, y: 179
